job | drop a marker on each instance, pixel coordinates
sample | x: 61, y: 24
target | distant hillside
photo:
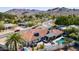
x: 22, y: 11
x: 54, y: 11
x: 63, y: 11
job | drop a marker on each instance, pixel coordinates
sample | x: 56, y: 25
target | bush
x: 42, y: 46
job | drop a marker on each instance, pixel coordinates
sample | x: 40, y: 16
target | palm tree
x: 14, y: 41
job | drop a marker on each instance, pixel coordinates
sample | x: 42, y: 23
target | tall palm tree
x: 14, y: 41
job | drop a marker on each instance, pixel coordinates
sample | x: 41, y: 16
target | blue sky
x: 37, y: 4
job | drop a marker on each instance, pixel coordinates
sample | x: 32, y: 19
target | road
x: 6, y: 34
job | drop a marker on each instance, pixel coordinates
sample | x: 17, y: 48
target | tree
x: 73, y: 35
x: 30, y: 23
x: 71, y: 30
x: 42, y: 46
x: 14, y: 41
x: 78, y: 37
x: 67, y: 20
x: 67, y: 40
x: 1, y: 25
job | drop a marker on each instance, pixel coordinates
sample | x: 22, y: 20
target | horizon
x: 4, y: 9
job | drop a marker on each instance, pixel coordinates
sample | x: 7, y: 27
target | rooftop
x: 29, y: 35
x: 56, y: 32
x: 50, y: 35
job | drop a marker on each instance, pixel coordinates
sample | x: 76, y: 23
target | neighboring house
x: 23, y: 24
x: 9, y: 26
x: 61, y: 27
x: 73, y: 26
x: 19, y: 28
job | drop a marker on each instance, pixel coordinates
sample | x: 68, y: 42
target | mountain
x: 54, y: 11
x: 22, y: 11
x: 63, y: 11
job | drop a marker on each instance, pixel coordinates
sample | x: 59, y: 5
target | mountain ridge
x: 54, y: 11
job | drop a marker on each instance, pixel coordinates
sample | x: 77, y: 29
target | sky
x: 37, y: 4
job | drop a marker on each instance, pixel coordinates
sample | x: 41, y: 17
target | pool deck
x: 57, y: 39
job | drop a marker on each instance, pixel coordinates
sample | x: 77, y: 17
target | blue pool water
x: 61, y: 41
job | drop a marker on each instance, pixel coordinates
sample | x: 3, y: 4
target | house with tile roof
x: 39, y: 33
x: 33, y: 34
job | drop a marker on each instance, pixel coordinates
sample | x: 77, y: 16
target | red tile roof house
x: 29, y: 35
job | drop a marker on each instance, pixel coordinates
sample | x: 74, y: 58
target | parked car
x: 17, y: 30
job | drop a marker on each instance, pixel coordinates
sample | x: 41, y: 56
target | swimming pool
x: 61, y: 41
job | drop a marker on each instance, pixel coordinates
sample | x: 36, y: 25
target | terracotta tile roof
x: 29, y: 35
x: 56, y: 32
